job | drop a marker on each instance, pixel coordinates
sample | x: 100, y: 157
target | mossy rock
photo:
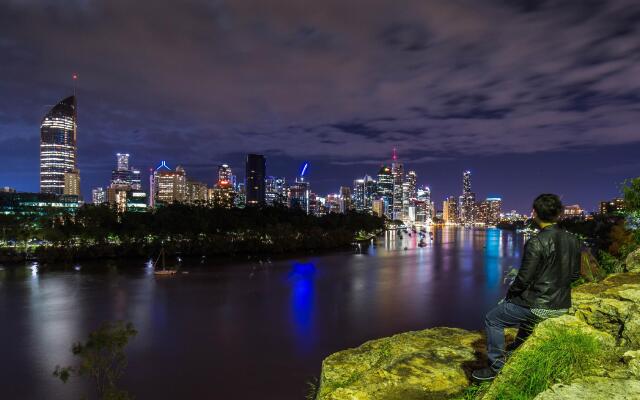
x: 633, y: 261
x: 613, y: 306
x: 594, y: 388
x: 428, y: 364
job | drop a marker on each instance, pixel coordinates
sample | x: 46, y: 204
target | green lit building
x: 37, y: 203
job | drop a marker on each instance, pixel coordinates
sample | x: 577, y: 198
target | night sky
x: 532, y: 96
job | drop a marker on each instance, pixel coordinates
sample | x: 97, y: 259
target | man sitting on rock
x: 542, y: 288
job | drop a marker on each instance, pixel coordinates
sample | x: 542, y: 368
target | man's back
x: 551, y: 262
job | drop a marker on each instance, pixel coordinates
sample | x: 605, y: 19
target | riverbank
x: 221, y: 251
x: 436, y: 363
x: 100, y: 232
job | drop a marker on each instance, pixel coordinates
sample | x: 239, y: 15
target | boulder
x: 594, y: 388
x: 633, y: 261
x: 429, y: 364
x: 613, y: 306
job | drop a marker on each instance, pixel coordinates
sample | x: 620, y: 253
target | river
x: 245, y: 330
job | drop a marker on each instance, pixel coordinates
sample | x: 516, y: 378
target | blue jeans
x: 502, y: 316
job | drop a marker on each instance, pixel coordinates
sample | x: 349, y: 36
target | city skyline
x: 531, y: 111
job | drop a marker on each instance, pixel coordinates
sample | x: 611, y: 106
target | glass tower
x: 58, y: 146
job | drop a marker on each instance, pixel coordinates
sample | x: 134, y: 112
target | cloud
x: 338, y: 81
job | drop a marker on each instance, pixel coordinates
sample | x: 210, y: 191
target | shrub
x: 561, y: 355
x: 609, y: 263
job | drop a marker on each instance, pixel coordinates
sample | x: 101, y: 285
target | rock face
x: 429, y: 364
x: 613, y: 306
x: 435, y: 363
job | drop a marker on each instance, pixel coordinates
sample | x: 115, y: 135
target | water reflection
x: 301, y: 278
x: 492, y: 253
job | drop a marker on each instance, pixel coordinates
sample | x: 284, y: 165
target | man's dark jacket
x: 551, y: 262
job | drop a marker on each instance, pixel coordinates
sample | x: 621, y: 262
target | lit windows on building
x: 614, y: 206
x: 450, y: 210
x: 346, y: 202
x: 275, y: 190
x: 98, y: 195
x: 225, y: 176
x: 196, y: 192
x: 58, y: 146
x: 72, y: 183
x: 168, y: 186
x: 299, y: 193
x: 573, y: 211
x: 384, y: 190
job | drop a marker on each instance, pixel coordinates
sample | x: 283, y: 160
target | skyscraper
x: 467, y: 200
x: 125, y: 177
x: 397, y: 172
x: 224, y: 175
x: 299, y: 193
x: 255, y: 174
x: 346, y: 203
x: 123, y: 161
x: 275, y: 190
x: 358, y: 195
x: 58, y: 147
x: 450, y: 210
x: 385, y: 190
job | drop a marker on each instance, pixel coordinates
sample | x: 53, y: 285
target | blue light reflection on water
x: 301, y: 278
x: 493, y: 243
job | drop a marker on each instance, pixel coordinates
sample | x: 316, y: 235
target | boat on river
x: 164, y: 271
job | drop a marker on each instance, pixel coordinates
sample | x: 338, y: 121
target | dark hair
x: 548, y: 207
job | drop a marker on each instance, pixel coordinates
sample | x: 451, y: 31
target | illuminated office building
x: 397, y: 172
x: 424, y: 205
x: 240, y: 199
x: 299, y: 193
x: 359, y: 195
x: 409, y: 191
x: 98, y: 195
x: 275, y: 190
x: 58, y: 147
x: 378, y: 207
x: 125, y: 177
x: 489, y: 210
x: 332, y: 203
x: 450, y: 210
x: 72, y: 183
x: 167, y: 186
x: 384, y: 190
x: 467, y: 200
x: 123, y: 161
x: 196, y: 192
x: 20, y: 203
x: 225, y: 176
x: 255, y: 175
x: 346, y: 201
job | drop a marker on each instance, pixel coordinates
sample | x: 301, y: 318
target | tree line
x: 102, y: 231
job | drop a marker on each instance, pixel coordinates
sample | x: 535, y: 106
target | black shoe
x: 484, y: 374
